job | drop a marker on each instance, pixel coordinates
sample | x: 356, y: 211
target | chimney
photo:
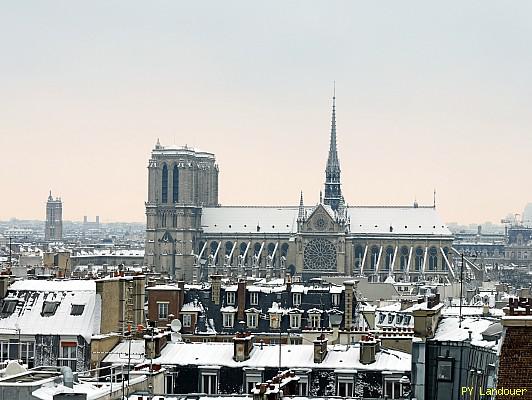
x: 320, y: 349
x: 216, y: 286
x: 242, y: 346
x: 485, y: 310
x: 241, y: 299
x: 349, y: 299
x: 288, y: 281
x: 368, y: 349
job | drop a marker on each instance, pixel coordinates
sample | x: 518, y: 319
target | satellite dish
x: 175, y: 325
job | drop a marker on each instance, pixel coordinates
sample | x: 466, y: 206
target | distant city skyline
x: 428, y: 97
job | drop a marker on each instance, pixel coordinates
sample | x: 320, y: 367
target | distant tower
x: 53, y: 229
x: 333, y: 192
x: 181, y: 181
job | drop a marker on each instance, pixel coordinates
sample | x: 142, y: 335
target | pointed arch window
x: 419, y: 258
x: 175, y: 184
x: 404, y: 258
x: 164, y: 191
x: 433, y: 258
x: 389, y: 257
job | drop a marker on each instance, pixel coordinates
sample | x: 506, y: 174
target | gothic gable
x: 320, y: 220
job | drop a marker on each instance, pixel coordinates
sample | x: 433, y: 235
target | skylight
x: 77, y: 309
x: 9, y: 306
x: 49, y: 308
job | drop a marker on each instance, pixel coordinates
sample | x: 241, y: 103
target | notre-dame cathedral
x: 190, y: 236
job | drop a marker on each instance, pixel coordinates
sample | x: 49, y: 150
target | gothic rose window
x: 320, y: 254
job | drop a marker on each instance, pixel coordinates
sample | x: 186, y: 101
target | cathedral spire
x: 301, y: 213
x: 333, y: 193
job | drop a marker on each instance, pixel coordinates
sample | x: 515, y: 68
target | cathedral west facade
x: 190, y: 236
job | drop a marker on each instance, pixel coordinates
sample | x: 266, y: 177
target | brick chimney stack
x: 515, y: 360
x: 216, y: 287
x: 241, y: 299
x: 349, y: 295
x: 368, y: 349
x: 242, y: 346
x: 320, y: 349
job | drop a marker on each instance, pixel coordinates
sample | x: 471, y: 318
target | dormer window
x: 335, y: 298
x: 49, y: 308
x: 252, y: 320
x: 254, y: 298
x: 231, y: 298
x: 9, y: 306
x: 296, y: 299
x: 77, y: 309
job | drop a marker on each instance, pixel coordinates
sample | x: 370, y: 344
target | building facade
x: 53, y: 229
x: 190, y: 236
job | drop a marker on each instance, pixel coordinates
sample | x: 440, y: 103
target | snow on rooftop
x: 402, y: 220
x: 28, y: 314
x: 364, y: 220
x: 450, y: 331
x: 295, y: 356
x: 122, y: 353
x: 249, y: 219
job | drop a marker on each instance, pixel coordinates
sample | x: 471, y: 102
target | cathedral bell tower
x: 333, y: 192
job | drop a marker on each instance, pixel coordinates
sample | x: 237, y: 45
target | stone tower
x: 53, y: 228
x: 181, y: 181
x: 333, y: 192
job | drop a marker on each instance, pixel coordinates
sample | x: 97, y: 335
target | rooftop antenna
x: 434, y: 199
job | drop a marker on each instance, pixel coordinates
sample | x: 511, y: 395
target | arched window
x: 359, y: 254
x: 374, y: 257
x: 419, y: 258
x: 389, y: 257
x: 271, y: 247
x: 256, y: 249
x: 403, y: 263
x: 214, y: 246
x: 228, y: 248
x: 284, y: 250
x: 164, y: 191
x: 433, y: 258
x: 175, y: 184
x: 243, y: 247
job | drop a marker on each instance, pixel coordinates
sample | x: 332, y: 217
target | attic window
x: 9, y: 306
x: 229, y: 226
x: 49, y: 308
x: 77, y: 309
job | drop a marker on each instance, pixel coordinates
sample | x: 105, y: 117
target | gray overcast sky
x: 429, y: 95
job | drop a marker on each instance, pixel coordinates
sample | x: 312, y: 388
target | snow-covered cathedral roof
x: 364, y: 220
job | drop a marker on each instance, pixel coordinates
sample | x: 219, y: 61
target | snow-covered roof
x: 364, y: 220
x: 402, y: 220
x: 249, y: 219
x: 122, y: 352
x: 31, y: 296
x: 295, y: 356
x: 193, y: 306
x: 449, y: 331
x: 110, y: 252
